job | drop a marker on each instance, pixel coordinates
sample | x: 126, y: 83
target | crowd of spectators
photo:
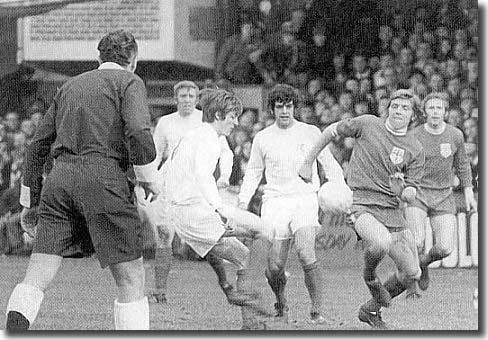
x: 16, y: 132
x: 346, y: 61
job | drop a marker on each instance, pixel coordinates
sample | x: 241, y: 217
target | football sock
x: 162, y: 267
x: 433, y: 255
x: 313, y: 283
x: 371, y: 261
x: 26, y: 301
x: 277, y: 282
x: 394, y: 286
x: 217, y: 265
x: 132, y: 315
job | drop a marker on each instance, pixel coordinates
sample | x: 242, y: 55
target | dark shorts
x: 392, y: 218
x: 86, y: 202
x: 435, y: 202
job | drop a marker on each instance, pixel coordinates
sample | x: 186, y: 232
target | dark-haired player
x: 290, y: 205
x: 97, y: 126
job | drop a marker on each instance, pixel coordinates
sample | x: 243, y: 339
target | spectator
x: 352, y: 86
x: 247, y: 120
x: 470, y: 129
x: 346, y: 101
x: 361, y: 108
x: 283, y: 57
x: 318, y: 13
x: 236, y: 60
x: 5, y: 160
x: 271, y: 14
x: 467, y: 105
x: 360, y: 68
x: 306, y: 114
x: 436, y: 83
x: 455, y: 117
x: 12, y: 123
x: 314, y: 86
x: 36, y: 118
x: 385, y: 35
x: 453, y: 89
x: 320, y: 54
x: 18, y: 151
x: 28, y: 128
x: 444, y: 50
x: 241, y: 158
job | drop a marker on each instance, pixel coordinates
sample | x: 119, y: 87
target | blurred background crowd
x: 345, y: 57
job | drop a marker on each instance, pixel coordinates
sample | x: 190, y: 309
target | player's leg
x: 415, y: 217
x: 234, y: 251
x: 162, y: 263
x: 26, y: 298
x: 275, y: 273
x: 131, y: 309
x: 403, y: 253
x: 305, y: 246
x: 378, y: 241
x: 218, y: 266
x: 415, y: 221
x: 443, y: 229
x: 116, y: 231
x: 246, y: 224
x: 54, y: 234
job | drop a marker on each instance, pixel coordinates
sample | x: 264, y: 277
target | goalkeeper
x: 386, y: 164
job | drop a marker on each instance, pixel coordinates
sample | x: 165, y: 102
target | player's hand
x: 305, y: 172
x: 222, y: 183
x: 397, y: 183
x: 28, y: 220
x: 151, y: 190
x: 471, y: 204
x: 409, y: 194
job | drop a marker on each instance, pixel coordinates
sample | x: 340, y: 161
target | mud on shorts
x: 435, y: 202
x: 87, y: 200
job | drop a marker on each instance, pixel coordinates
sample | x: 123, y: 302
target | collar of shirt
x: 110, y: 66
x: 433, y: 131
x: 401, y: 132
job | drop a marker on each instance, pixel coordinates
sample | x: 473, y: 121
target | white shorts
x: 155, y: 213
x: 287, y: 214
x: 198, y: 225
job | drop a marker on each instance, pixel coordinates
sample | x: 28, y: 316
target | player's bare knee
x: 276, y: 267
x: 306, y: 255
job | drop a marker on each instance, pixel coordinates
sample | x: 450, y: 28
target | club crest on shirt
x: 446, y: 150
x: 396, y: 155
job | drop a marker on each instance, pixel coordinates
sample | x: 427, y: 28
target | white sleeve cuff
x: 24, y: 199
x: 146, y: 173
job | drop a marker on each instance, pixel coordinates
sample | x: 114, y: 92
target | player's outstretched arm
x: 326, y: 137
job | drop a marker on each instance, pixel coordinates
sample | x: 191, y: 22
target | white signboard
x: 73, y: 32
